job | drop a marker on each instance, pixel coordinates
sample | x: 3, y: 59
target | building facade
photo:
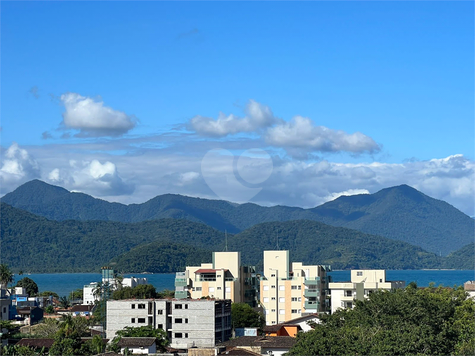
x: 289, y: 291
x: 188, y: 323
x: 223, y: 278
x: 363, y: 282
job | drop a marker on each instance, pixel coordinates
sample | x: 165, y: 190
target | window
x: 186, y: 335
x: 186, y: 321
x: 273, y: 298
x: 266, y: 311
x: 348, y: 293
x: 218, y: 275
x: 293, y: 287
x: 349, y: 305
x: 294, y: 299
x: 266, y: 287
x: 281, y: 311
x: 281, y: 300
x: 299, y: 311
x: 299, y: 287
x: 266, y: 299
x: 380, y: 280
x: 272, y: 310
x: 160, y: 312
x: 300, y: 299
x: 132, y: 320
x: 359, y: 273
x: 273, y: 322
x: 178, y: 320
x: 160, y: 326
x: 211, y: 289
x: 141, y: 320
x: 133, y: 306
x: 228, y: 289
x: 294, y: 311
x: 273, y: 287
x: 198, y: 289
x: 272, y: 275
x: 141, y: 306
x: 178, y: 335
x: 281, y: 287
x: 186, y: 306
x: 178, y: 306
x: 219, y: 288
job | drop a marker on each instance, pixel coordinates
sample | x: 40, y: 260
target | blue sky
x: 121, y: 100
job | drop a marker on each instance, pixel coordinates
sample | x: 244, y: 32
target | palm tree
x: 6, y: 276
x: 64, y: 302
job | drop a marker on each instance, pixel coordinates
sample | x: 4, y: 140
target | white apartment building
x: 363, y: 282
x: 188, y: 323
x: 88, y: 290
x: 223, y: 278
x: 289, y: 291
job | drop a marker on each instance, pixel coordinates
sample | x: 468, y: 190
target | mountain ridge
x: 400, y: 213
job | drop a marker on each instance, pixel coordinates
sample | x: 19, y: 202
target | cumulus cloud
x: 301, y: 134
x: 91, y: 177
x: 258, y: 116
x: 348, y: 192
x: 17, y: 168
x: 92, y: 118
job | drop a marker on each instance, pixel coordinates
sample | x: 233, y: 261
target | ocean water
x: 65, y: 283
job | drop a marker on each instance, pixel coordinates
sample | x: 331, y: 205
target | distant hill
x: 400, y: 213
x: 35, y: 244
x: 461, y: 259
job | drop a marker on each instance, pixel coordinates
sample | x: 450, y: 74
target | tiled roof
x: 208, y: 270
x: 82, y: 308
x: 236, y: 351
x: 271, y: 341
x: 136, y: 341
x: 36, y: 343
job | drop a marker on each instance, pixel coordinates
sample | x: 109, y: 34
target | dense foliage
x: 411, y: 321
x: 462, y: 259
x: 144, y: 331
x: 30, y: 286
x: 39, y: 245
x: 401, y: 213
x: 244, y: 316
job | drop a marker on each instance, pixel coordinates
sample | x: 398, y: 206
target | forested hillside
x: 400, y: 213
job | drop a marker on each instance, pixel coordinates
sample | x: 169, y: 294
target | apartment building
x: 223, y: 278
x: 363, y: 282
x: 289, y: 291
x: 188, y: 323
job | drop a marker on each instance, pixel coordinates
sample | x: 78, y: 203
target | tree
x: 6, y: 276
x: 48, y: 294
x: 64, y: 302
x: 30, y: 286
x: 142, y: 291
x: 429, y: 321
x: 77, y: 294
x: 243, y: 316
x: 144, y: 331
x: 48, y: 328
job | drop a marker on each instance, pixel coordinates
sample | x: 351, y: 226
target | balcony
x: 180, y: 282
x: 181, y: 294
x: 312, y: 305
x: 312, y: 293
x: 312, y: 281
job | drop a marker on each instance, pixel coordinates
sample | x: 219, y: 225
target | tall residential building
x: 188, y: 323
x: 363, y: 282
x: 289, y: 291
x: 223, y: 278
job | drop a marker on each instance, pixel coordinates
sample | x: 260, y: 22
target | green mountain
x: 400, y: 213
x: 462, y: 259
x: 35, y: 244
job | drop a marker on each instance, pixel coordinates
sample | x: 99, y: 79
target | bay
x: 65, y: 283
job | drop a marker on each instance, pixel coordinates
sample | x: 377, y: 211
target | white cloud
x: 18, y: 167
x: 94, y: 119
x: 258, y: 116
x: 300, y: 134
x: 91, y: 177
x: 348, y: 192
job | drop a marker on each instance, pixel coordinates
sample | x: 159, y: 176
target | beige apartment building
x: 289, y: 291
x: 363, y: 282
x: 223, y: 278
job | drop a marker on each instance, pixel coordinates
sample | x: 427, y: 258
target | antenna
x: 226, y: 240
